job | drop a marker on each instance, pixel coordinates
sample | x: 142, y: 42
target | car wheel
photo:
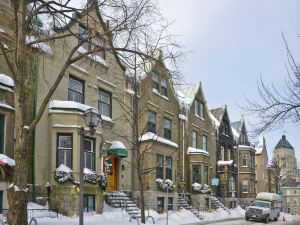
x: 276, y: 218
x: 267, y: 219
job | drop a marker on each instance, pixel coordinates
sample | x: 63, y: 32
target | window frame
x: 86, y: 197
x: 82, y: 95
x: 222, y: 153
x: 57, y: 148
x: 164, y: 87
x: 155, y: 82
x: 170, y: 203
x: 167, y: 132
x: 169, y: 167
x: 204, y: 142
x: 245, y: 160
x: 160, y: 207
x: 109, y: 94
x: 159, y: 168
x: 194, y: 139
x: 206, y: 174
x: 93, y: 161
x: 194, y: 178
x: 245, y: 183
x: 151, y: 127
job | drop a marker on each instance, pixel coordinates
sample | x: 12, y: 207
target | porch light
x: 91, y: 117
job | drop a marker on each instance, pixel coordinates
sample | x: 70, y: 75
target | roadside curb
x: 215, y: 221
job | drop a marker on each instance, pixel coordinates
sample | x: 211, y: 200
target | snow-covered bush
x: 165, y: 185
x: 198, y: 188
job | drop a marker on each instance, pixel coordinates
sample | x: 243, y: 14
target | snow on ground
x: 114, y: 216
x: 222, y: 214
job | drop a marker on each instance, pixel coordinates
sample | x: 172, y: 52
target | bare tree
x: 135, y: 30
x: 277, y: 107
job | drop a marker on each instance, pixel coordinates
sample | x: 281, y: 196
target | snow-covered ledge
x: 68, y: 105
x: 153, y: 137
x: 195, y: 151
x: 226, y: 163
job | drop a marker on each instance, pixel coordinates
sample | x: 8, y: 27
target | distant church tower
x: 284, y: 155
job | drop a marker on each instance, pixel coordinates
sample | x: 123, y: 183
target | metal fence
x: 33, y: 213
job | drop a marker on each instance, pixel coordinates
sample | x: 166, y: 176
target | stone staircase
x: 118, y: 199
x: 217, y: 204
x: 183, y: 203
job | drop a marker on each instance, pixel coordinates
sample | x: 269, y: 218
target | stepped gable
x: 284, y: 143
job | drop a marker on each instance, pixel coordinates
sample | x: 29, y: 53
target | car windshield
x: 261, y: 204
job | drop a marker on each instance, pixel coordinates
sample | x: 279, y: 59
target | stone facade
x: 158, y: 113
x: 226, y: 157
x: 291, y: 198
x: 63, y: 117
x: 261, y: 166
x: 284, y: 156
x: 245, y: 162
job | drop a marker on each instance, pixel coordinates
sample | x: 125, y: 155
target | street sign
x: 215, y: 182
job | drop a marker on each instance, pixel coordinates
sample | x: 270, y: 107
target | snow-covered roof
x: 4, y: 105
x: 214, y: 119
x: 6, y: 160
x: 117, y: 145
x: 194, y: 151
x: 68, y: 105
x: 186, y: 96
x: 261, y: 145
x: 42, y: 46
x: 63, y: 168
x: 150, y: 136
x: 58, y: 104
x: 6, y: 80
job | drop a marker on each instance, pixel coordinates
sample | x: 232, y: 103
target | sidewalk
x: 215, y: 221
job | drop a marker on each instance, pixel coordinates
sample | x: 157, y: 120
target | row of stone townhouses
x: 182, y: 140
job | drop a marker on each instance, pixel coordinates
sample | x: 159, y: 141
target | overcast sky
x: 232, y: 43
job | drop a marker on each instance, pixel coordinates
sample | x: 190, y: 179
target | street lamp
x: 91, y: 117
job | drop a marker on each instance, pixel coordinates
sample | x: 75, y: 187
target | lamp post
x: 91, y: 117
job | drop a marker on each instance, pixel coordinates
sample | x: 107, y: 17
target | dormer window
x: 155, y: 81
x: 91, y: 43
x: 199, y: 108
x: 84, y: 35
x: 164, y: 88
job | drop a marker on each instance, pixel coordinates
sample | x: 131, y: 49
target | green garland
x: 165, y: 185
x: 62, y: 177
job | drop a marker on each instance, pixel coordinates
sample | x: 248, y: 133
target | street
x: 244, y: 222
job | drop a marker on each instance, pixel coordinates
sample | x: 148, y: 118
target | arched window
x: 231, y: 184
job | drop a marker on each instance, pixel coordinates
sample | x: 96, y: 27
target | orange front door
x: 111, y: 169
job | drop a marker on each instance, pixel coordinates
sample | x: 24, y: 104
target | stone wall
x: 201, y: 202
x: 151, y: 199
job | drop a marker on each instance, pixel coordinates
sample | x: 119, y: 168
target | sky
x: 232, y: 44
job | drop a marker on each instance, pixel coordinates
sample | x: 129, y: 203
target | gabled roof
x: 186, y: 96
x: 261, y: 145
x: 218, y: 113
x: 284, y: 143
x: 236, y: 128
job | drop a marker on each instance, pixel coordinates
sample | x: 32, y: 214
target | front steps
x: 182, y: 203
x: 217, y: 204
x: 118, y: 199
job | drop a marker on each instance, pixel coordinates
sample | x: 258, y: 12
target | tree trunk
x: 18, y: 191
